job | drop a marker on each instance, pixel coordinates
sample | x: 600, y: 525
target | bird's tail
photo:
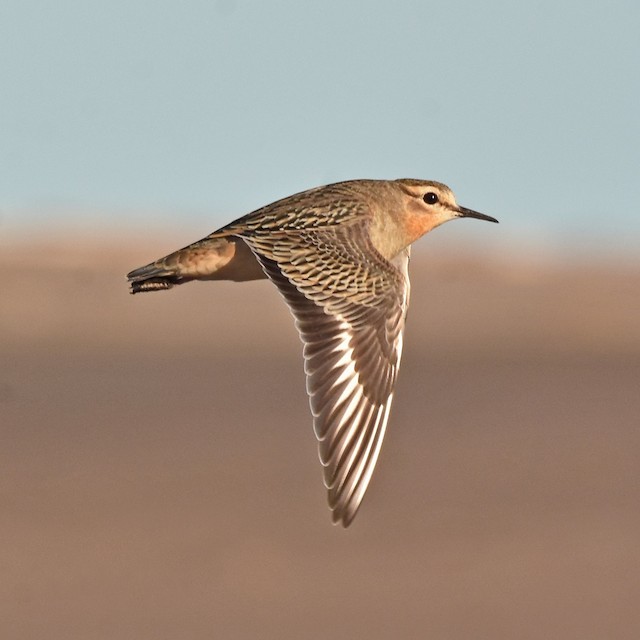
x: 152, y: 277
x: 213, y: 258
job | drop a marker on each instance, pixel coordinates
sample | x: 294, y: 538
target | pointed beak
x: 463, y: 212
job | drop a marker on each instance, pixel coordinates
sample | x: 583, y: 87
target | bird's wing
x: 318, y: 208
x: 349, y: 304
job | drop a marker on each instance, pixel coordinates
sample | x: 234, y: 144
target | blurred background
x: 158, y: 471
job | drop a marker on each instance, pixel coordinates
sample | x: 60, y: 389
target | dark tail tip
x: 152, y: 284
x: 151, y: 277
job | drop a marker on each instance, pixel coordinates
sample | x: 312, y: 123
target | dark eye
x: 430, y: 197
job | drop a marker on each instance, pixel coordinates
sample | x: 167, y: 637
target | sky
x: 134, y: 114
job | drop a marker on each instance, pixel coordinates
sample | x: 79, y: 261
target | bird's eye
x: 430, y: 197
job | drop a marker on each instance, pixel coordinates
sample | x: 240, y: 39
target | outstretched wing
x: 349, y: 304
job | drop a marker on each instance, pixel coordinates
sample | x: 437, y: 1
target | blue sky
x: 192, y: 113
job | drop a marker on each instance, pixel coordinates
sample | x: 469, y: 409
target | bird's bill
x: 463, y: 212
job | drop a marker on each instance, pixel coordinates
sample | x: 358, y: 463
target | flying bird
x: 339, y: 255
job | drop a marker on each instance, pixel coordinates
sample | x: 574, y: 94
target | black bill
x: 470, y: 213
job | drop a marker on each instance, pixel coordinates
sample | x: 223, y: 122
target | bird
x: 339, y: 255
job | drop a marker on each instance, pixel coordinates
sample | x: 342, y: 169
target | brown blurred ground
x: 159, y: 477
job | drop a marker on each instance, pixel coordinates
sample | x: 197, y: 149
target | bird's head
x: 429, y: 204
